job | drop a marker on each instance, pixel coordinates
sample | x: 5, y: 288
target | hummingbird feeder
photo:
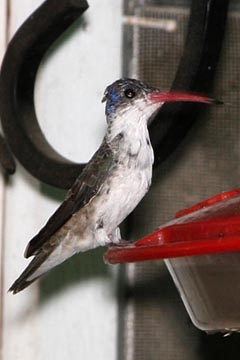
x: 201, y: 250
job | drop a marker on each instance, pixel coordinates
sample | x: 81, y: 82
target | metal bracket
x: 17, y: 79
x: 33, y: 39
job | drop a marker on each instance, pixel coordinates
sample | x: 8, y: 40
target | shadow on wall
x: 81, y: 267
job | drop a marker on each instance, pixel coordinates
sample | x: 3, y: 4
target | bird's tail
x: 45, y: 259
x: 27, y: 276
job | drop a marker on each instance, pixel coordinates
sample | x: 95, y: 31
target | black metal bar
x: 17, y: 80
x: 195, y: 73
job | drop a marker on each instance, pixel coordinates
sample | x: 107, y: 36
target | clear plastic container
x: 209, y: 286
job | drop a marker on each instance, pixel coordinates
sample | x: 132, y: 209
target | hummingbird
x: 110, y: 186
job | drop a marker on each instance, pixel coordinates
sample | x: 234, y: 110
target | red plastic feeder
x: 212, y: 226
x: 209, y: 284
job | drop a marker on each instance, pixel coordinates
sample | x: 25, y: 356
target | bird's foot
x: 120, y: 243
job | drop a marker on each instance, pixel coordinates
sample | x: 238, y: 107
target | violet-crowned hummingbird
x: 111, y: 185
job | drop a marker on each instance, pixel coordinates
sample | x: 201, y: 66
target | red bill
x: 179, y: 96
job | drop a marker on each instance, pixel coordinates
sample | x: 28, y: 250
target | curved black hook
x: 195, y: 73
x: 17, y: 80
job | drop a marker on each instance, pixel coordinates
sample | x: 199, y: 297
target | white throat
x: 135, y: 149
x: 132, y: 122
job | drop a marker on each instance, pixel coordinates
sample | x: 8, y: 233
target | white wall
x: 3, y: 9
x: 73, y: 313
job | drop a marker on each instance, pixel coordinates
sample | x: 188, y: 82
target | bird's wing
x: 84, y: 189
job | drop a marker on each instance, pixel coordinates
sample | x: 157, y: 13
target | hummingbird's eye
x: 129, y: 93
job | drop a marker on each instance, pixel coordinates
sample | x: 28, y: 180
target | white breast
x: 130, y: 181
